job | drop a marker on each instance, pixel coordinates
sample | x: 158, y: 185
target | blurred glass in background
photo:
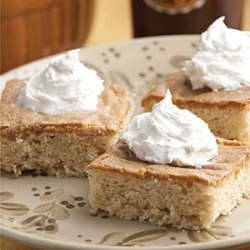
x: 166, y: 17
x: 32, y: 29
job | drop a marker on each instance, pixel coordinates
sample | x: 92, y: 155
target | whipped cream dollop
x: 222, y: 60
x: 170, y: 135
x: 65, y: 86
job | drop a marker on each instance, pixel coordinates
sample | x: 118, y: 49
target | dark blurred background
x: 32, y: 29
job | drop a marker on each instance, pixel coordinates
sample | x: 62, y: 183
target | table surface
x: 105, y: 14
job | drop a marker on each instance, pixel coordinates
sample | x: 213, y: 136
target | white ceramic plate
x: 51, y: 212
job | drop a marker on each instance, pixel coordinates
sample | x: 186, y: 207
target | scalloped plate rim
x: 56, y: 244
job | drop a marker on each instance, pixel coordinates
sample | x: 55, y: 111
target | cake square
x: 60, y: 145
x: 184, y: 197
x: 227, y: 112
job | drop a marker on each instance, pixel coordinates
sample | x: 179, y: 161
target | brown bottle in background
x: 166, y: 17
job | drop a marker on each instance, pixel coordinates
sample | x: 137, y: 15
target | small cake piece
x: 184, y: 197
x: 63, y: 144
x: 215, y: 84
x: 61, y: 119
x: 227, y: 112
x: 168, y: 169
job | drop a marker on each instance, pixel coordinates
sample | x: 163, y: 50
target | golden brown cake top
x: 226, y: 142
x: 230, y: 160
x: 113, y: 107
x: 182, y: 92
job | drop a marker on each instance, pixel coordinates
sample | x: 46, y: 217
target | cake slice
x: 184, y: 197
x: 227, y: 112
x: 60, y: 145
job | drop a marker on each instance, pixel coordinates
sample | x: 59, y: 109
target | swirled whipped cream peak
x: 222, y: 60
x: 65, y: 86
x: 169, y: 135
